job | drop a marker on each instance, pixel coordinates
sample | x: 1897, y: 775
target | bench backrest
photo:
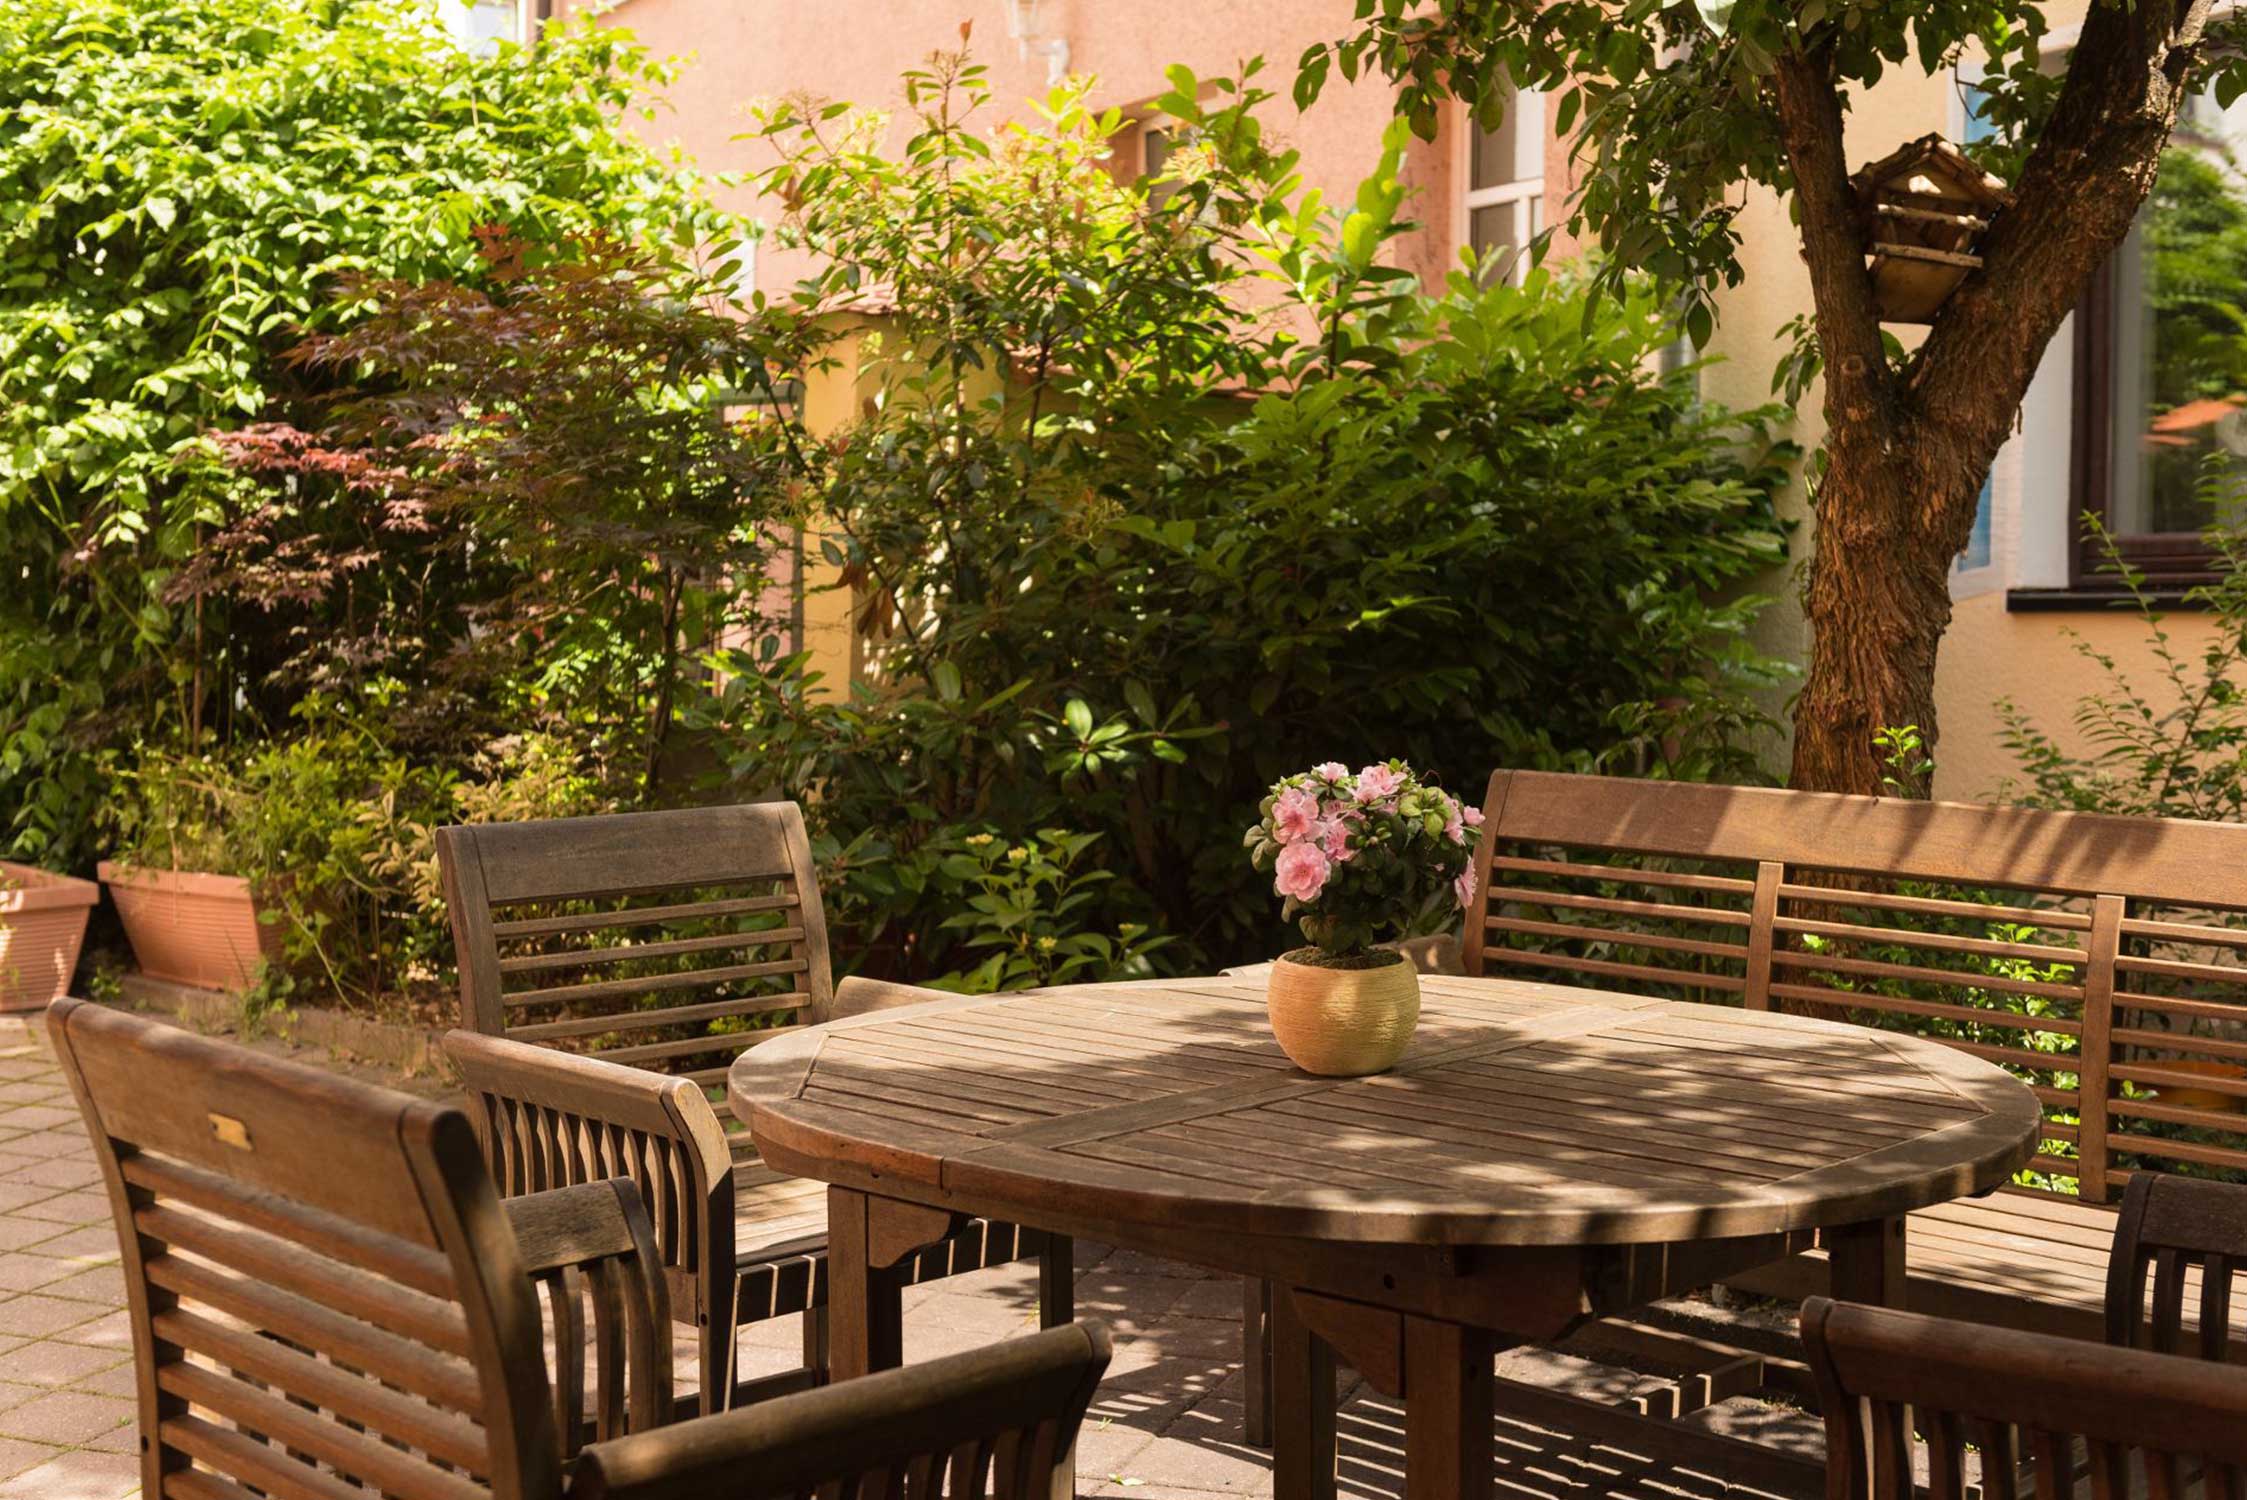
x: 2097, y: 957
x: 324, y: 1291
x: 650, y: 938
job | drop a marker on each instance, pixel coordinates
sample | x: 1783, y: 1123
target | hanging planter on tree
x: 1925, y: 208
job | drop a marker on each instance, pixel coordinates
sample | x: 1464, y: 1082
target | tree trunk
x: 1878, y: 603
x: 1907, y: 450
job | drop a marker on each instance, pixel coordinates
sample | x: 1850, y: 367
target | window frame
x: 1524, y: 196
x: 2170, y: 560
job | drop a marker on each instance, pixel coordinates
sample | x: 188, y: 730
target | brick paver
x: 66, y: 1429
x: 1166, y: 1425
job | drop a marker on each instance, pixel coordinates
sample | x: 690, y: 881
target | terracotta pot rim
x: 29, y: 888
x: 188, y: 882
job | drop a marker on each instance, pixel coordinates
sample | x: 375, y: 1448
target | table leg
x: 865, y: 1310
x: 1256, y: 1359
x: 1057, y: 1306
x: 1450, y: 1389
x: 1867, y: 1262
x: 1302, y: 1405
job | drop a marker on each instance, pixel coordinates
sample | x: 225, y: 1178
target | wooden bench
x: 2096, y: 957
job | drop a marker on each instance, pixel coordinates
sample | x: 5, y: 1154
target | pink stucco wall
x: 736, y: 51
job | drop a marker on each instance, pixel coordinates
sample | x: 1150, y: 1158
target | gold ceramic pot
x: 1343, y: 1023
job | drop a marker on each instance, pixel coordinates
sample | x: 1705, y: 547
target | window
x: 1505, y: 201
x: 2160, y: 443
x: 481, y: 25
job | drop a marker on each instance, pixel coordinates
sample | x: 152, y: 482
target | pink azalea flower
x: 1300, y: 871
x: 1471, y: 814
x: 1332, y: 770
x: 1454, y: 826
x: 1295, y: 816
x: 1463, y: 887
x: 1336, y: 842
x: 1376, y: 782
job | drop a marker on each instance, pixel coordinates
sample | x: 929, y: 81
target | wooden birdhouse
x: 1925, y: 209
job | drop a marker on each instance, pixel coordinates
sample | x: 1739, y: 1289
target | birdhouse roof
x: 1932, y: 167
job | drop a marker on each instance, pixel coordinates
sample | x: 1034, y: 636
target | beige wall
x: 737, y: 51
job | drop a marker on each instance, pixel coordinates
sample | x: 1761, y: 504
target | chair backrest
x: 2177, y: 1240
x: 2124, y: 1421
x: 665, y: 940
x: 2087, y: 953
x: 997, y: 1422
x: 324, y: 1289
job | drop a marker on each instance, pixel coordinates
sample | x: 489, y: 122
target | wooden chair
x: 677, y: 937
x: 329, y: 1299
x: 2176, y: 1238
x: 2124, y: 1421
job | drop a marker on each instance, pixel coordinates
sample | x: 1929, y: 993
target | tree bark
x: 1907, y: 451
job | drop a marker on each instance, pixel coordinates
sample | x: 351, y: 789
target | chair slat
x: 641, y: 1020
x: 395, y: 1470
x: 424, y: 1319
x: 640, y: 916
x: 685, y: 979
x: 447, y: 1381
x: 411, y: 1265
x: 440, y: 1433
x: 581, y: 958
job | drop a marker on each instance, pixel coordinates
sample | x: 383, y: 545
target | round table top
x: 1522, y: 1114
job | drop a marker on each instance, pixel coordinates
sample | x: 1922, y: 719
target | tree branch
x: 2084, y: 180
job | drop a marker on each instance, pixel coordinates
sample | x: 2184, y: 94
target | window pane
x: 1977, y: 553
x: 1515, y: 151
x: 1155, y: 142
x: 2180, y: 347
x: 1491, y: 229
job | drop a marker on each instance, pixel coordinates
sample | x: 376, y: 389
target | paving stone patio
x: 1167, y: 1422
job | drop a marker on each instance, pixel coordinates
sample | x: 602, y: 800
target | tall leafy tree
x: 183, y: 186
x: 1672, y: 113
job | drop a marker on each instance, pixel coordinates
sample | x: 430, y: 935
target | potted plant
x: 42, y: 924
x: 1359, y: 859
x: 179, y: 876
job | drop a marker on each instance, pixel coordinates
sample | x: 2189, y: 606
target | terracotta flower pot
x: 2191, y: 1098
x: 190, y: 927
x: 1343, y: 1023
x: 42, y: 924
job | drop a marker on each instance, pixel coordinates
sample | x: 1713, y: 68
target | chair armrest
x: 1022, y: 1400
x: 857, y: 995
x: 1436, y: 953
x: 591, y: 1243
x: 572, y: 1227
x: 517, y: 1091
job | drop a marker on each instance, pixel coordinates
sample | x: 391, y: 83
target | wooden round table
x: 1542, y: 1155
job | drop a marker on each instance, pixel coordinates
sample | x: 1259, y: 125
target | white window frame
x: 1525, y: 195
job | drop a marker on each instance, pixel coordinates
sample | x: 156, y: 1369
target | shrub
x: 337, y: 836
x: 2177, y: 750
x: 1124, y: 561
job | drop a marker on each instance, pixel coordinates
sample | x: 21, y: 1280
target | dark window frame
x: 2171, y: 561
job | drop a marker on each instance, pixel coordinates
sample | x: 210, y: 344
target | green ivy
x: 182, y: 183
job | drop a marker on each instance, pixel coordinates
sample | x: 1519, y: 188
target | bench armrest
x: 1022, y: 1400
